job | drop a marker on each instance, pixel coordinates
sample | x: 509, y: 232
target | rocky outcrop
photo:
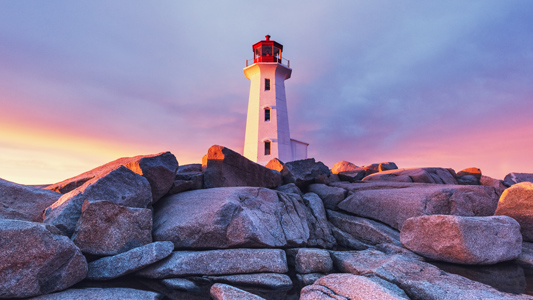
x: 469, y: 176
x: 304, y: 172
x: 394, y: 206
x: 220, y: 291
x: 106, y: 228
x: 260, y: 280
x: 514, y: 178
x: 37, y: 259
x: 120, y: 186
x: 188, y: 177
x: 463, y: 240
x: 309, y: 260
x: 320, y: 234
x: 102, y: 293
x: 421, y: 175
x: 21, y: 202
x: 348, y: 171
x: 367, y: 231
x: 517, y: 203
x: 231, y: 217
x: 111, y: 267
x: 330, y: 195
x: 348, y: 286
x: 159, y: 169
x: 218, y: 262
x: 227, y: 168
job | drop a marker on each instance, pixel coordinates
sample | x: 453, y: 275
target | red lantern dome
x: 267, y: 51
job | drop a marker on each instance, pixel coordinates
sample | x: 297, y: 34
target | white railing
x: 283, y: 61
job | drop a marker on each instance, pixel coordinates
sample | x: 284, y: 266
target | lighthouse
x: 267, y: 124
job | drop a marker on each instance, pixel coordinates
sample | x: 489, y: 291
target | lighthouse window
x: 267, y: 84
x: 267, y: 50
x: 267, y: 114
x: 267, y: 148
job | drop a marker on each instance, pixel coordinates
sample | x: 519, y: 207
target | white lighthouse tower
x: 267, y: 124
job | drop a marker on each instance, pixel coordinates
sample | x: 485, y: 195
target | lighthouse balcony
x: 269, y: 59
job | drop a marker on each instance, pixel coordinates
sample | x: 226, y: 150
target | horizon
x: 418, y: 84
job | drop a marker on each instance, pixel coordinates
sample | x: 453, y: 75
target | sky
x: 419, y: 83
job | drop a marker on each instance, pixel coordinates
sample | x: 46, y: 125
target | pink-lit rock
x: 421, y: 175
x: 517, y: 203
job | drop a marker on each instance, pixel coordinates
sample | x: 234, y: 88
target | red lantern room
x: 267, y: 51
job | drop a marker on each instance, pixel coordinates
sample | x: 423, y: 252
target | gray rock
x: 514, y: 178
x: 159, y: 169
x: 188, y: 177
x: 309, y: 260
x: 346, y: 171
x: 517, y: 203
x: 227, y: 168
x: 418, y: 279
x: 394, y: 206
x: 304, y: 172
x: 308, y: 279
x: 422, y: 175
x: 37, y: 259
x: 181, y: 284
x: 231, y: 217
x: 526, y: 257
x: 220, y: 291
x: 290, y: 188
x: 331, y: 196
x: 22, y: 202
x: 348, y: 286
x: 469, y: 176
x: 102, y: 293
x: 263, y: 280
x: 106, y: 228
x: 368, y: 231
x: 120, y: 186
x: 346, y: 240
x: 128, y: 262
x: 320, y: 234
x: 218, y: 262
x: 463, y: 240
x: 353, y: 187
x: 495, y: 183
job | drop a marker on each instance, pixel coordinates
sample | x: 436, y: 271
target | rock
x: 159, y: 169
x: 188, y: 177
x: 37, y: 259
x: 102, y: 293
x: 495, y: 183
x: 343, y: 166
x: 180, y: 186
x: 220, y: 291
x: 320, y: 234
x: 106, y: 228
x: 190, y: 169
x: 331, y: 196
x: 387, y: 166
x: 463, y: 240
x: 514, y: 178
x: 526, y: 257
x: 218, y: 262
x: 231, y: 217
x: 368, y: 231
x: 422, y: 175
x: 309, y: 260
x: 182, y: 284
x: 304, y: 172
x: 517, y: 203
x: 353, y: 187
x: 394, y: 206
x: 418, y: 279
x: 128, y: 262
x: 226, y: 168
x: 290, y: 188
x: 277, y: 165
x: 348, y: 286
x: 346, y: 240
x: 308, y: 279
x: 22, y: 202
x: 263, y: 280
x: 470, y: 176
x: 120, y: 186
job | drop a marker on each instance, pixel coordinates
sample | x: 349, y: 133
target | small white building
x: 267, y: 124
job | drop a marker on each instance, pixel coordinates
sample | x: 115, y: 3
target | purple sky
x: 433, y: 83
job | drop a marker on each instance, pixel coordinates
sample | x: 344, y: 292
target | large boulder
x: 111, y: 267
x: 514, y: 178
x: 419, y: 280
x: 495, y: 183
x: 330, y: 195
x: 120, y: 186
x: 364, y: 230
x: 463, y: 240
x: 227, y: 168
x: 106, y: 228
x: 221, y: 291
x: 231, y: 217
x: 188, y: 177
x: 517, y: 203
x: 304, y: 172
x: 310, y: 260
x: 94, y: 293
x: 394, y: 206
x: 218, y: 262
x: 421, y: 175
x: 37, y: 259
x: 349, y: 286
x: 320, y: 234
x: 159, y: 169
x: 22, y: 202
x: 469, y: 176
x: 347, y: 171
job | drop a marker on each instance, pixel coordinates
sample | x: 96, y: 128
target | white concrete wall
x: 277, y: 129
x: 299, y: 150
